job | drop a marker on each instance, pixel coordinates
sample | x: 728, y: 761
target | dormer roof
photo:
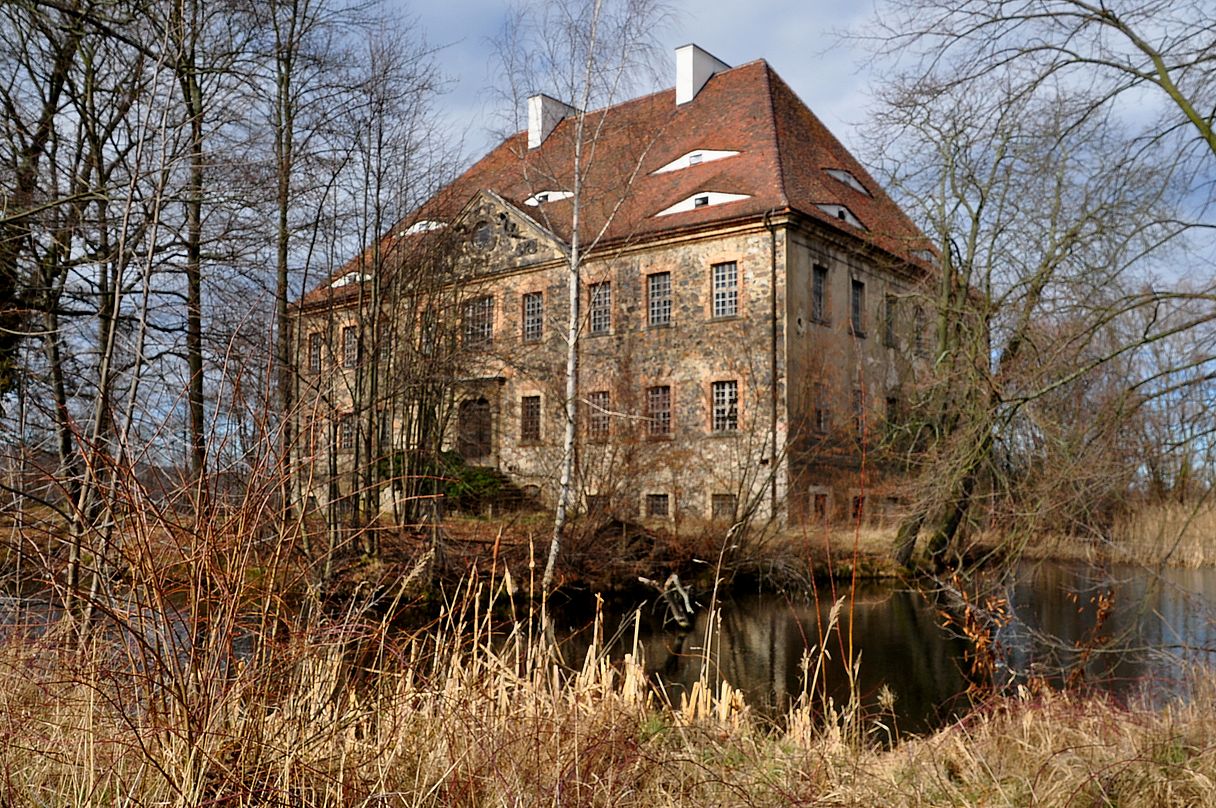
x: 785, y: 154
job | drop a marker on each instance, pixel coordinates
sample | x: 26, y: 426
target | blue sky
x: 795, y: 37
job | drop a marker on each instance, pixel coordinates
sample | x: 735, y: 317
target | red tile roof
x: 783, y: 148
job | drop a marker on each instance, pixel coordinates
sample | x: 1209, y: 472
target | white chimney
x: 544, y: 113
x: 693, y: 68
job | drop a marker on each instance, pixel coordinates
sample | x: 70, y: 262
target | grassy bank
x: 338, y: 716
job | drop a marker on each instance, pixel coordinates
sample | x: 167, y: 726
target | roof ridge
x: 778, y: 155
x: 645, y: 96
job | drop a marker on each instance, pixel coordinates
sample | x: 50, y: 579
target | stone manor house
x: 753, y: 314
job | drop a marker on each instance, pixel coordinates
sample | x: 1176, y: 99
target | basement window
x: 658, y: 506
x: 723, y: 506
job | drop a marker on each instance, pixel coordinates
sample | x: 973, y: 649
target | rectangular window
x: 819, y: 294
x: 428, y: 331
x: 888, y: 321
x: 820, y: 419
x: 479, y: 320
x: 658, y: 410
x: 726, y: 406
x: 350, y: 346
x: 601, y: 308
x: 722, y: 506
x: 893, y: 414
x: 384, y: 343
x: 859, y: 422
x: 658, y: 297
x: 314, y: 351
x: 346, y: 432
x: 658, y: 506
x: 726, y: 289
x: 918, y: 332
x: 598, y: 505
x: 533, y: 316
x: 529, y: 419
x: 857, y: 307
x: 819, y: 507
x: 859, y: 509
x: 599, y: 420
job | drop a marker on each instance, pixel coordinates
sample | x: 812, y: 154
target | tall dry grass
x: 207, y: 668
x: 340, y: 715
x: 1176, y: 534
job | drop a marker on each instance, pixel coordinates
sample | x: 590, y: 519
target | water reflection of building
x: 759, y: 643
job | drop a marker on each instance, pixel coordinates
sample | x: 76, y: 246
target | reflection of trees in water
x: 760, y: 642
x: 1161, y: 621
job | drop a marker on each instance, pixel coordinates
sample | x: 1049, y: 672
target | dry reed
x: 461, y: 716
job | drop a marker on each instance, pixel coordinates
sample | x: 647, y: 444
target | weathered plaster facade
x: 729, y: 363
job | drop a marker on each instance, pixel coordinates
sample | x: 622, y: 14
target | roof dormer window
x: 843, y: 214
x: 542, y: 197
x: 702, y: 200
x: 348, y: 279
x: 694, y: 158
x: 422, y: 226
x: 840, y: 175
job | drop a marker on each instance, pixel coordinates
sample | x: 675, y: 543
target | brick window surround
x: 600, y: 313
x: 315, y: 341
x: 599, y: 420
x: 725, y: 289
x: 479, y: 320
x: 725, y: 405
x: 658, y: 411
x: 350, y: 346
x: 658, y: 299
x: 529, y: 419
x: 533, y: 304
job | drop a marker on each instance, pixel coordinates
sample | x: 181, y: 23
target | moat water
x: 1131, y: 632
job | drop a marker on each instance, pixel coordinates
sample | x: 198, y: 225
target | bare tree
x: 591, y: 53
x: 1047, y: 216
x: 1160, y: 49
